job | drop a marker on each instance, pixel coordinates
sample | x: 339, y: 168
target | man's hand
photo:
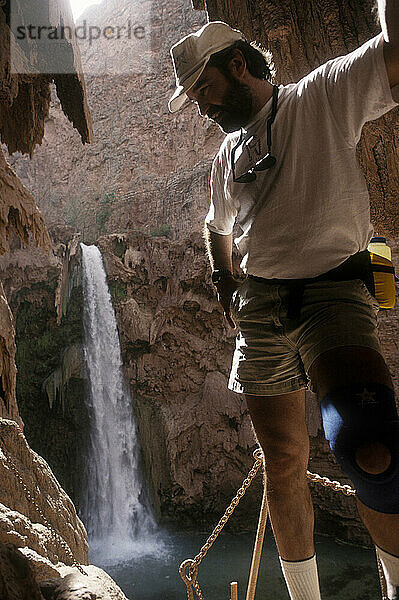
x: 226, y: 288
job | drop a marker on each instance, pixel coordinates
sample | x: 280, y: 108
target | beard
x: 236, y: 108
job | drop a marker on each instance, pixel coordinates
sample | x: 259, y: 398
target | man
x: 287, y: 175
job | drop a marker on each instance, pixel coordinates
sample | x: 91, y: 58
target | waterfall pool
x: 345, y: 571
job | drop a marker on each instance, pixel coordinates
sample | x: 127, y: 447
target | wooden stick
x: 260, y: 534
x: 234, y: 590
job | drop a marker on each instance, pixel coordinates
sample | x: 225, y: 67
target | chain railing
x: 190, y: 577
x: 189, y: 568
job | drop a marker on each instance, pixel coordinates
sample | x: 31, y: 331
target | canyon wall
x: 145, y: 169
x: 196, y: 436
x: 144, y: 181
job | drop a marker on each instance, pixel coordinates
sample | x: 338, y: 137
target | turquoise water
x: 346, y: 572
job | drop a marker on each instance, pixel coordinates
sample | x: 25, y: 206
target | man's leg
x: 280, y: 426
x: 344, y: 367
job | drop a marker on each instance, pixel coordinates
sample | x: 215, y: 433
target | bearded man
x: 287, y: 176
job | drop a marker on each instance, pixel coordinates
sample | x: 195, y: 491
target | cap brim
x: 180, y: 95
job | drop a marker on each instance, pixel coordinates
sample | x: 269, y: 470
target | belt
x: 357, y: 266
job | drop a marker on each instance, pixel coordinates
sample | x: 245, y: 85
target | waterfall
x: 114, y: 509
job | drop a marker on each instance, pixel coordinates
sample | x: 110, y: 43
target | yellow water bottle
x: 378, y: 245
x: 383, y: 271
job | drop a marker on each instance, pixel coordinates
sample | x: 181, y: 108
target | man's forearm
x: 388, y: 11
x: 220, y: 249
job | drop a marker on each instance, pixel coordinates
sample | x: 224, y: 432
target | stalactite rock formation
x: 26, y: 98
x: 18, y: 211
x: 69, y: 272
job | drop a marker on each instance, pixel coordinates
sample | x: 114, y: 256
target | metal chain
x: 192, y: 564
x: 383, y: 582
x: 190, y: 578
x: 45, y: 522
x: 258, y: 455
x: 335, y: 485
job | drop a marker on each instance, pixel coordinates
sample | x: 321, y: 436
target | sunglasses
x: 267, y: 161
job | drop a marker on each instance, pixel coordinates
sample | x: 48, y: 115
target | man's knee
x: 361, y: 424
x: 285, y: 465
x: 373, y: 457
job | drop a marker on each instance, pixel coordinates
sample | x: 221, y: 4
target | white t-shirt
x: 312, y: 207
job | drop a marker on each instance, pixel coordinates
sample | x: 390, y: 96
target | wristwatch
x: 220, y: 274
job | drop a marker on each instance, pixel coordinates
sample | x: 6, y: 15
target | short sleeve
x: 356, y: 87
x: 221, y: 216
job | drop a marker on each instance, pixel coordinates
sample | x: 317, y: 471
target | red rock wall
x: 142, y: 170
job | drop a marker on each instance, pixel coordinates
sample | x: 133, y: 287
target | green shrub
x: 117, y: 290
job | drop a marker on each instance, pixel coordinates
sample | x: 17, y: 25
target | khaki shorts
x: 273, y: 354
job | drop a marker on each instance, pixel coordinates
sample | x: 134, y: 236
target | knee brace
x: 357, y: 415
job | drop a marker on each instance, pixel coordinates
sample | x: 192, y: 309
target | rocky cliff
x: 176, y: 351
x: 142, y: 170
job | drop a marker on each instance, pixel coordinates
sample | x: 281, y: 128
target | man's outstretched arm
x: 220, y: 253
x: 388, y: 11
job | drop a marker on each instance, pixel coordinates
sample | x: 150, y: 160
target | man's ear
x: 238, y: 65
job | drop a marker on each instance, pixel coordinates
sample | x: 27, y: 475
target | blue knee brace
x: 361, y: 414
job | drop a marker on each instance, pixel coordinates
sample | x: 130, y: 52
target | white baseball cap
x: 191, y: 54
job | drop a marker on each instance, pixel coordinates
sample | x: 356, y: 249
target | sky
x: 78, y: 6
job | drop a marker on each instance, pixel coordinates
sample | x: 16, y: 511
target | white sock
x: 390, y: 566
x: 301, y: 578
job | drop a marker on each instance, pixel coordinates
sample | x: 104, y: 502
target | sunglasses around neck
x: 267, y: 161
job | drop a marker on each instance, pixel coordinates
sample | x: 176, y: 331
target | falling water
x: 114, y: 508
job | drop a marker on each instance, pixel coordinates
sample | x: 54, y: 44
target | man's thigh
x: 280, y: 426
x: 347, y: 365
x: 337, y: 315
